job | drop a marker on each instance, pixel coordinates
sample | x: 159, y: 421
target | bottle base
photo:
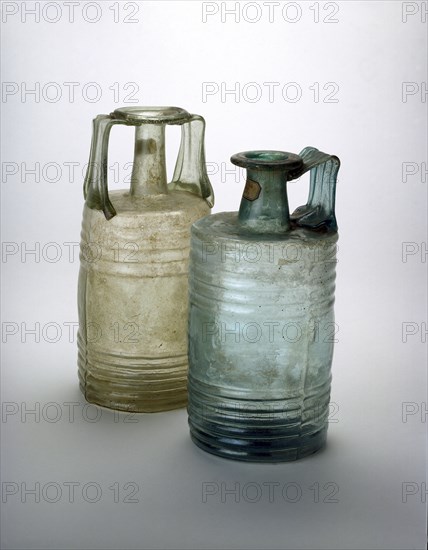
x: 268, y: 449
x: 131, y: 383
x: 136, y: 405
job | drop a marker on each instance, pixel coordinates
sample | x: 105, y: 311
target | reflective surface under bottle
x: 261, y: 319
x: 133, y: 281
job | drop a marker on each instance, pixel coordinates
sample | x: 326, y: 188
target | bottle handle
x: 319, y: 211
x: 95, y: 189
x: 190, y: 170
x: 190, y: 173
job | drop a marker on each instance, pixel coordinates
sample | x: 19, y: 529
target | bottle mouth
x: 152, y: 115
x: 267, y: 160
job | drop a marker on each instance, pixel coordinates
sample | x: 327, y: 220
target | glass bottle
x: 133, y: 281
x: 261, y: 319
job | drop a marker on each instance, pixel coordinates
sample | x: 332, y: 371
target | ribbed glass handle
x: 319, y: 211
x: 190, y: 172
x: 95, y: 188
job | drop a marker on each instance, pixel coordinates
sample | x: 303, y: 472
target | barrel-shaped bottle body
x: 132, y: 300
x: 261, y: 336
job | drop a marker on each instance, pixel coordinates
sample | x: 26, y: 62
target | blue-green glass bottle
x: 261, y: 319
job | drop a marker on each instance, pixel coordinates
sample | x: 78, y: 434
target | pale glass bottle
x: 133, y: 281
x: 261, y: 319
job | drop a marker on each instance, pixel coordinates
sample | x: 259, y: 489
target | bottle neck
x: 264, y: 205
x: 149, y: 169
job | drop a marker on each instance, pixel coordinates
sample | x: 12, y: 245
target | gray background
x: 374, y: 461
